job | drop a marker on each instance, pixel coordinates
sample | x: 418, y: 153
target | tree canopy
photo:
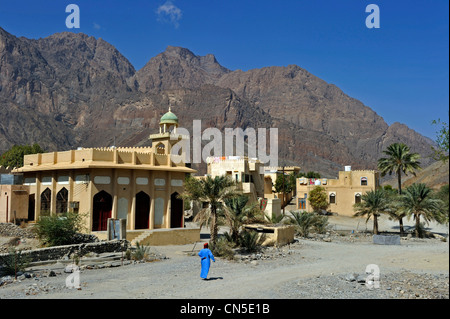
x: 318, y: 198
x: 442, y: 140
x: 14, y: 156
x: 399, y: 160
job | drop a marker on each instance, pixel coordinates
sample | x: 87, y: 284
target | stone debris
x: 12, y: 230
x: 401, y: 285
x: 37, y: 288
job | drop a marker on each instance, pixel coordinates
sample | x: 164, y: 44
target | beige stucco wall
x: 123, y: 186
x: 278, y: 235
x: 345, y: 188
x: 161, y: 237
x: 13, y: 203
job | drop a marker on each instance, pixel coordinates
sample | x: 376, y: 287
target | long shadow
x: 213, y: 278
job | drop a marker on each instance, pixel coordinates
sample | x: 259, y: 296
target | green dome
x: 169, y: 118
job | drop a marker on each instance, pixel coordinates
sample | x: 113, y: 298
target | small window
x: 123, y: 180
x: 63, y: 180
x: 160, y: 148
x: 332, y: 198
x: 80, y: 179
x: 142, y: 181
x: 363, y: 181
x: 176, y: 182
x: 47, y: 180
x: 29, y: 181
x: 102, y: 180
x: 160, y: 181
x: 357, y: 198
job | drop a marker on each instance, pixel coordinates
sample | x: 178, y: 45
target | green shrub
x: 223, y: 248
x: 58, y: 229
x: 321, y: 224
x: 140, y: 253
x: 249, y: 240
x: 306, y: 222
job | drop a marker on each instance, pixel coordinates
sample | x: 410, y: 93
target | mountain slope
x: 69, y: 90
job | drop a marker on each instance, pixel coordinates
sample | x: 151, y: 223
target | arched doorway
x: 176, y: 211
x: 46, y: 200
x: 102, y: 211
x: 142, y: 211
x: 31, y: 206
x: 62, y: 199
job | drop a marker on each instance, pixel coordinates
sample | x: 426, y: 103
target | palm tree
x: 213, y: 191
x: 373, y: 204
x: 399, y: 160
x: 238, y: 211
x: 303, y: 221
x: 417, y: 201
x: 394, y: 200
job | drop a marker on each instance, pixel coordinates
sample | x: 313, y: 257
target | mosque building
x: 138, y: 184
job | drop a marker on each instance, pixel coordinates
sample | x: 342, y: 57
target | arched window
x: 332, y: 198
x: 46, y: 198
x: 357, y: 198
x: 160, y: 148
x: 62, y: 199
x: 363, y: 181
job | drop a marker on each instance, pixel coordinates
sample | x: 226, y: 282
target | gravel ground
x: 317, y: 268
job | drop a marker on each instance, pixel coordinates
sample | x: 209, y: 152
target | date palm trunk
x: 400, y: 220
x: 417, y: 225
x: 375, y: 224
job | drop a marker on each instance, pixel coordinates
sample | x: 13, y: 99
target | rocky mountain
x: 435, y: 176
x: 69, y: 90
x: 179, y: 68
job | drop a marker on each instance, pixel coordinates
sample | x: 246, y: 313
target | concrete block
x: 386, y: 239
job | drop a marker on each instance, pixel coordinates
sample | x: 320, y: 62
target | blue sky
x: 400, y: 70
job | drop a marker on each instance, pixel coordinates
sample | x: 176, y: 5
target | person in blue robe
x: 205, y: 256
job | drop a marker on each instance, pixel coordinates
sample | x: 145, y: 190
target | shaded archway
x: 46, y: 200
x: 102, y: 211
x: 176, y: 211
x: 31, y: 206
x: 62, y: 199
x: 142, y: 211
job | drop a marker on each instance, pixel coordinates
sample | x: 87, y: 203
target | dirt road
x: 306, y: 269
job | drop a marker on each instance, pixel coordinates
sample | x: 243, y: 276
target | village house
x: 342, y: 193
x: 253, y: 179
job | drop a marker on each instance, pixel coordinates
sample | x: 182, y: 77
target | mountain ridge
x: 70, y: 89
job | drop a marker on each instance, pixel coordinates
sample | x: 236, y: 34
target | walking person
x: 205, y: 257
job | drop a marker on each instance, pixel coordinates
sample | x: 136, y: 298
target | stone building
x: 140, y: 185
x: 342, y: 193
